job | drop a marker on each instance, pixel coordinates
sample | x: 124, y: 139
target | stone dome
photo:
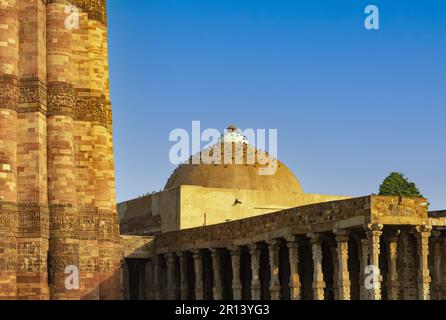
x: 241, y: 174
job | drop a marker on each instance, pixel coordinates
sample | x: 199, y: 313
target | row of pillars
x: 369, y: 276
x: 235, y: 254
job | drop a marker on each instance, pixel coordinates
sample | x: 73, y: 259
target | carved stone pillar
x: 342, y: 238
x: 184, y: 284
x: 124, y: 280
x: 198, y: 267
x: 423, y: 234
x: 393, y: 285
x: 437, y: 265
x: 318, y: 275
x: 443, y: 268
x: 149, y: 281
x: 236, y: 281
x: 295, y: 285
x: 217, y: 289
x: 157, y: 277
x: 334, y: 257
x: 141, y: 279
x: 363, y: 244
x: 171, y: 276
x: 374, y: 232
x: 274, y: 287
x: 254, y: 251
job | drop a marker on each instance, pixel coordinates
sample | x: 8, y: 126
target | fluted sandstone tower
x: 57, y: 191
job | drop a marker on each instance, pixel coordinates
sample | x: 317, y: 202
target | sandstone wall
x: 191, y: 206
x: 208, y: 206
x: 314, y: 218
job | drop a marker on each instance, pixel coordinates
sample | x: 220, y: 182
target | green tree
x: 396, y: 184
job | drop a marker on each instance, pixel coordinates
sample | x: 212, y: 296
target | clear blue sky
x: 351, y: 105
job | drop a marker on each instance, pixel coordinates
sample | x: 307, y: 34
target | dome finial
x: 232, y: 128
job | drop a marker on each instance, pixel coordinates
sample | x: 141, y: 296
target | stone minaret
x: 57, y: 189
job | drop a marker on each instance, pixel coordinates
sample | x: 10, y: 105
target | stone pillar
x: 374, y: 232
x: 274, y: 287
x: 334, y: 257
x: 184, y: 286
x: 149, y: 281
x: 295, y: 285
x: 254, y: 251
x: 198, y: 267
x: 157, y: 277
x: 171, y: 276
x: 217, y: 289
x: 393, y: 284
x: 422, y: 234
x: 236, y: 281
x: 318, y: 275
x: 342, y: 238
x: 437, y: 265
x: 141, y: 267
x: 443, y: 268
x: 124, y: 280
x: 363, y: 245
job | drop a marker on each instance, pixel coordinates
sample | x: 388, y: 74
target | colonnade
x: 343, y: 265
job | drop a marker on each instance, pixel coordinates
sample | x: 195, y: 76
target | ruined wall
x: 208, y: 206
x: 142, y: 216
x: 57, y: 198
x: 191, y: 206
x: 438, y: 214
x: 313, y: 218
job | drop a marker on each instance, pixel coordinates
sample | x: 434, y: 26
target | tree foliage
x: 396, y: 184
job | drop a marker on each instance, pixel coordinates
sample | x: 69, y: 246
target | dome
x: 242, y: 174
